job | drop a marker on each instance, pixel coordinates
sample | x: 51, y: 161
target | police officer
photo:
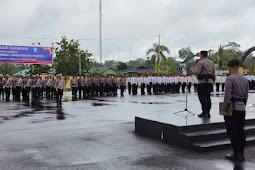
x: 129, y: 84
x: 60, y: 86
x: 101, y: 85
x: 143, y: 82
x: 53, y: 90
x: 236, y: 91
x: 122, y: 85
x: 115, y: 85
x: 80, y: 85
x: 13, y: 82
x: 7, y: 84
x: 206, y: 76
x: 1, y: 88
x: 223, y: 80
x: 74, y: 86
x: 48, y: 86
x: 189, y: 83
x: 85, y: 83
x: 218, y: 81
x: 27, y: 84
x: 37, y: 87
x: 19, y: 83
x: 149, y: 84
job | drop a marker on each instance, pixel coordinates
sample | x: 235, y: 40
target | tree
x: 122, y: 66
x: 185, y: 52
x: 67, y: 57
x: 157, y: 54
x: 39, y: 68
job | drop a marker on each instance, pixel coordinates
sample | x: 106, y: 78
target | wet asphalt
x: 98, y: 133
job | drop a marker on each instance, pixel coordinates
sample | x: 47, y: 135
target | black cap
x: 233, y: 63
x: 203, y: 53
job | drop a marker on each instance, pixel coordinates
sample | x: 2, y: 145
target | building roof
x: 137, y: 69
x: 100, y: 69
x: 23, y: 72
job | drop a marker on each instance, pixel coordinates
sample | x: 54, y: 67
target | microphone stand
x: 186, y: 108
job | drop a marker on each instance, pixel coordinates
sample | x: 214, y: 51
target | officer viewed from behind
x: 206, y: 75
x: 236, y: 91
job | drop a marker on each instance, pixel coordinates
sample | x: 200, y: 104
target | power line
x: 182, y: 42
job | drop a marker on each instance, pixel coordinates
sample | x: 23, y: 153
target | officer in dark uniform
x: 206, y: 76
x: 236, y: 91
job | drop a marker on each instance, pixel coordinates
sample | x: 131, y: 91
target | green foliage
x: 157, y: 53
x: 185, y: 52
x: 39, y: 68
x: 67, y: 57
x: 122, y: 66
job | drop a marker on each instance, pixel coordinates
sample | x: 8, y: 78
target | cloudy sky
x: 130, y: 27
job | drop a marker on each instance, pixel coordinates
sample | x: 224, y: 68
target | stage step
x: 219, y: 144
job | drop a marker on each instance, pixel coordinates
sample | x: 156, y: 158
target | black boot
x: 201, y: 115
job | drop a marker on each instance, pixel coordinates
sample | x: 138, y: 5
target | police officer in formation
x: 236, y: 93
x: 206, y: 75
x: 251, y: 80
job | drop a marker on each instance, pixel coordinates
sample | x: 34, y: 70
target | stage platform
x: 191, y: 131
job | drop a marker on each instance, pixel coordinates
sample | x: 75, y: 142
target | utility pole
x: 118, y: 61
x: 100, y: 31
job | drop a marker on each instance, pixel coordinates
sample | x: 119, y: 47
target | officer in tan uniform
x: 7, y: 85
x: 122, y: 83
x: 80, y: 86
x: 74, y: 86
x: 60, y: 87
x: 85, y: 82
x: 206, y: 76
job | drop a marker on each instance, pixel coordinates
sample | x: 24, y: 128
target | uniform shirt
x: 13, y: 82
x: 171, y: 80
x: 48, y: 83
x: 18, y: 82
x: 115, y: 80
x: 37, y: 83
x: 218, y: 79
x: 59, y: 84
x: 205, y: 66
x: 165, y: 80
x: 183, y: 80
x: 74, y: 82
x: 176, y: 79
x: 148, y: 80
x: 102, y: 81
x: 53, y: 82
x: 85, y: 82
x: 223, y: 79
x: 129, y: 80
x: 80, y: 82
x: 195, y: 81
x: 154, y: 80
x: 123, y: 81
x: 189, y: 79
x: 134, y: 81
x: 142, y: 80
x: 7, y: 83
x: 28, y: 83
x: 236, y: 86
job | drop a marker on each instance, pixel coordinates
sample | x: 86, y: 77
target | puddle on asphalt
x: 155, y: 103
x: 100, y: 104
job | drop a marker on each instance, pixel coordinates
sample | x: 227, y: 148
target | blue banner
x: 26, y: 54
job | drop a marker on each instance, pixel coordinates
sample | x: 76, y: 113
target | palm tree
x: 157, y: 54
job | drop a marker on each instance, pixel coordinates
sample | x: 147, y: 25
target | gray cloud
x: 201, y: 24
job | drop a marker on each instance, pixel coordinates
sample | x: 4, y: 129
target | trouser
x: 17, y: 93
x: 122, y: 88
x: 14, y: 92
x: 235, y: 130
x: 27, y: 93
x: 1, y: 92
x: 204, y: 92
x: 154, y: 88
x: 85, y: 92
x: 142, y: 89
x: 114, y: 88
x: 189, y: 87
x: 195, y: 87
x: 173, y: 88
x: 93, y: 89
x: 48, y: 90
x: 37, y: 91
x: 7, y: 93
x: 74, y: 92
x: 41, y: 92
x: 129, y: 88
x: 101, y: 89
x: 134, y: 89
x: 217, y: 87
x: 107, y: 90
x: 80, y: 90
x: 183, y: 87
x: 253, y: 85
x: 178, y: 87
x: 23, y: 91
x: 149, y: 88
x: 223, y: 86
x: 165, y: 88
x: 59, y: 94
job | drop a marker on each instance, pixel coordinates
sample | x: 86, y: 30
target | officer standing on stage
x: 74, y: 86
x: 206, y: 76
x: 7, y: 84
x: 237, y: 88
